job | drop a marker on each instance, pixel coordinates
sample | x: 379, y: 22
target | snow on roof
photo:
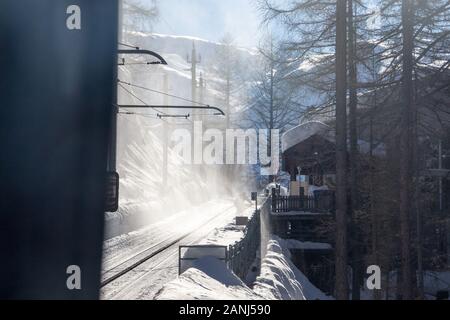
x: 304, y: 131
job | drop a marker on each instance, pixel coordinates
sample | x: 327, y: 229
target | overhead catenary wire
x: 128, y: 45
x: 158, y: 116
x: 180, y: 116
x: 135, y: 96
x: 197, y: 106
x: 152, y: 116
x: 124, y: 63
x: 208, y: 114
x: 163, y: 93
x: 183, y: 121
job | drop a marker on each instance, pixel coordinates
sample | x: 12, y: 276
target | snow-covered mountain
x: 176, y: 50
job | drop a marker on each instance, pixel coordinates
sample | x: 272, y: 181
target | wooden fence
x: 243, y: 254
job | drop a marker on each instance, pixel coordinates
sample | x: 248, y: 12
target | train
x: 57, y: 88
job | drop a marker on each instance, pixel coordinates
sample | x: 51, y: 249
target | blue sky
x: 211, y: 19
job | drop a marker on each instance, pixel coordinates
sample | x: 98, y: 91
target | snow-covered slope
x: 181, y: 45
x: 280, y: 279
x: 208, y: 280
x: 177, y: 50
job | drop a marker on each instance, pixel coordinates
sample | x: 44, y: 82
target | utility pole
x: 201, y: 85
x: 227, y: 98
x: 199, y: 117
x: 194, y: 59
x: 272, y: 105
x: 201, y: 92
x: 165, y: 133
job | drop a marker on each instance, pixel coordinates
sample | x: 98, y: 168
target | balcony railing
x: 321, y: 202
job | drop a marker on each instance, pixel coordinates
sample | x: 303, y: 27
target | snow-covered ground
x: 210, y: 279
x: 195, y: 223
x: 209, y: 223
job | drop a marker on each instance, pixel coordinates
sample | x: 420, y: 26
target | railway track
x: 136, y: 260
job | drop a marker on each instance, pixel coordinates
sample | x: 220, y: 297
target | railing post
x: 274, y: 200
x: 316, y: 202
x: 230, y: 257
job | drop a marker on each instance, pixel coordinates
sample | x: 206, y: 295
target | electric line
x: 139, y: 114
x: 168, y: 24
x: 163, y: 93
x: 208, y: 114
x: 137, y: 63
x: 128, y: 45
x: 145, y: 115
x: 175, y: 116
x: 135, y: 96
x: 158, y: 116
x: 151, y: 116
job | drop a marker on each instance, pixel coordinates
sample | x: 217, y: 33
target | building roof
x: 302, y: 132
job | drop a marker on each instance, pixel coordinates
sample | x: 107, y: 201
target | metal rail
x: 152, y: 254
x: 207, y: 107
x: 146, y: 52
